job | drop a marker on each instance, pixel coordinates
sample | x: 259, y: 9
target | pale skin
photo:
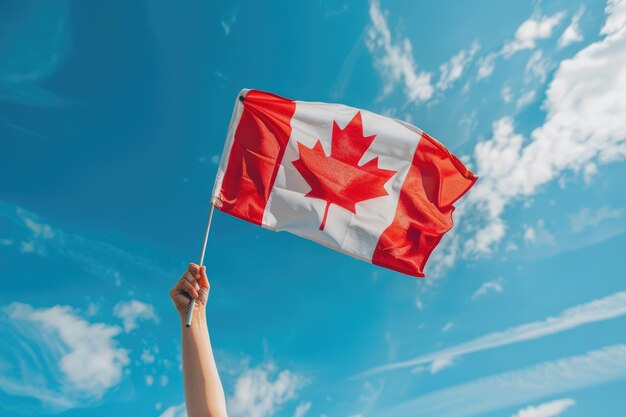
x: 204, y: 394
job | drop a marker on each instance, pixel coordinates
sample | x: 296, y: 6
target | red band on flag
x: 257, y: 150
x: 434, y: 182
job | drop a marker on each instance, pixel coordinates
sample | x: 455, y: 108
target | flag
x: 370, y: 186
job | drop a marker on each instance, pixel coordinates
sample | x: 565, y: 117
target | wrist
x: 199, y: 315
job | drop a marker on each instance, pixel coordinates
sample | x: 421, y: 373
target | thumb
x: 203, y: 281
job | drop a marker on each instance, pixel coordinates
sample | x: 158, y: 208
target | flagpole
x: 192, y: 303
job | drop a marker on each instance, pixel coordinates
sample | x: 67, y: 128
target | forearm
x: 204, y: 394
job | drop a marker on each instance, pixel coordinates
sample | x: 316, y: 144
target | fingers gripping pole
x: 192, y: 303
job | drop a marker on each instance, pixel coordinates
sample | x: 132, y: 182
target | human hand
x: 193, y: 284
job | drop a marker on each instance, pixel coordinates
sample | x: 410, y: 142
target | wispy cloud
x: 572, y: 33
x: 487, y: 287
x: 58, y: 357
x: 133, y: 311
x: 549, y: 409
x: 228, y: 22
x: 454, y: 68
x: 518, y: 387
x: 447, y: 327
x: 530, y: 31
x: 587, y: 218
x: 440, y: 364
x: 178, y: 410
x: 28, y: 60
x: 486, y: 65
x: 30, y: 234
x: 597, y: 310
x: 302, y: 409
x: 525, y: 99
x: 538, y: 67
x: 337, y: 11
x: 538, y: 234
x: 506, y: 94
x: 394, y: 59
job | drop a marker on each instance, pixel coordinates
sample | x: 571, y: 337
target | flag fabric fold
x: 370, y: 186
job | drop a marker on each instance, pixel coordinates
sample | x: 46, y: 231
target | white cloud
x: 453, y: 69
x: 175, y: 411
x: 486, y: 237
x: 444, y: 255
x: 262, y: 391
x: 536, y: 28
x: 549, y: 409
x: 583, y: 126
x: 371, y: 392
x: 394, y: 60
x: 131, y: 312
x: 147, y: 357
x: 587, y: 218
x: 506, y: 94
x: 38, y: 229
x: 149, y: 380
x: 597, y: 310
x: 511, y: 247
x: 447, y: 327
x: 27, y: 247
x: 616, y: 17
x: 81, y: 360
x: 302, y: 409
x: 589, y: 170
x: 538, y: 67
x: 38, y: 233
x: 486, y: 65
x: 489, y: 286
x: 529, y: 234
x: 518, y: 387
x: 538, y: 234
x: 228, y: 23
x: 440, y: 363
x: 572, y: 33
x: 525, y: 99
x: 495, y: 159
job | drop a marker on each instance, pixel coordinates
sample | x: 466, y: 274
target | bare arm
x: 204, y: 394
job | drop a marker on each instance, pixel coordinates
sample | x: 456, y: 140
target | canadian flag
x: 370, y: 186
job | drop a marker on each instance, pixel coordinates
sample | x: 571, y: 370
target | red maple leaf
x: 338, y: 178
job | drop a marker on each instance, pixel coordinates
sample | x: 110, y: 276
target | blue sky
x: 112, y: 120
